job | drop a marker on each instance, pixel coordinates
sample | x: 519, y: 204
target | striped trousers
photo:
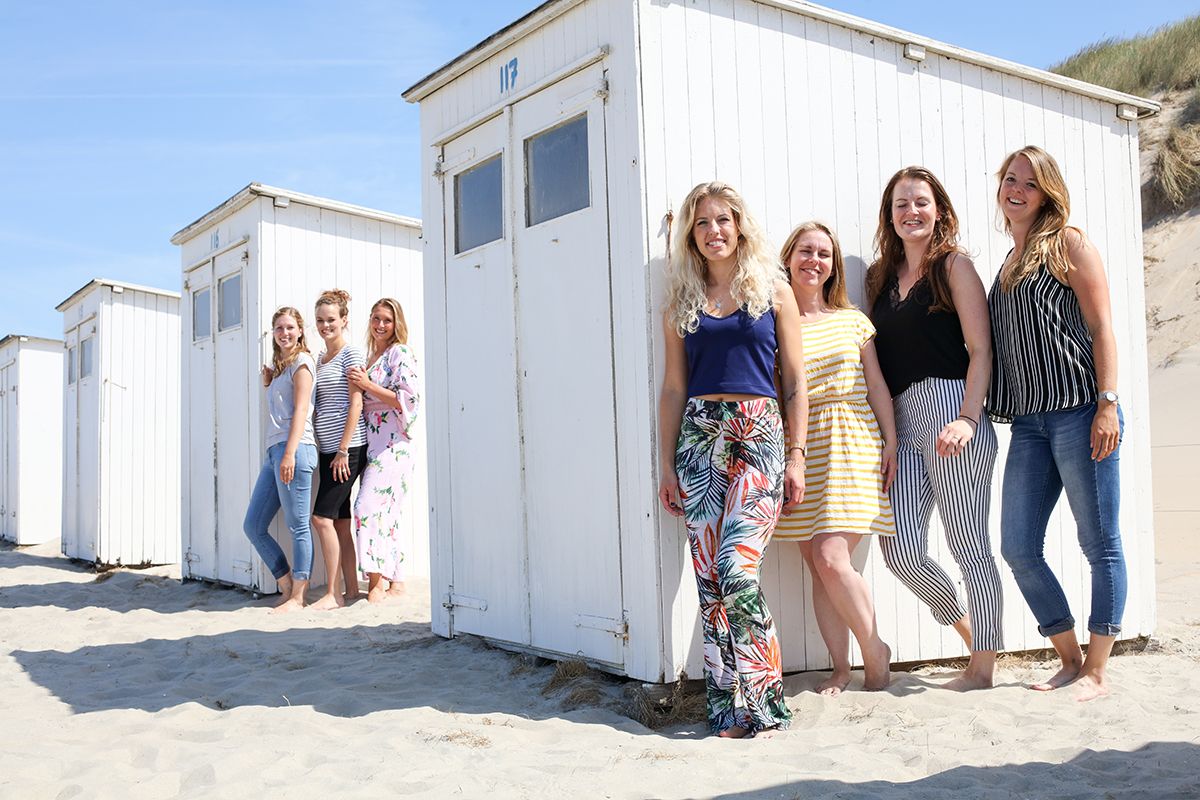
x: 960, y: 486
x: 730, y: 465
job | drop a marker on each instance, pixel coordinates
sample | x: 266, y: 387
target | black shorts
x: 333, y: 497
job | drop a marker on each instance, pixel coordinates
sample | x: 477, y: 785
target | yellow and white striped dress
x: 843, y: 485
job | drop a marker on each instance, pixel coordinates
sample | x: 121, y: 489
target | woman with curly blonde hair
x: 725, y: 467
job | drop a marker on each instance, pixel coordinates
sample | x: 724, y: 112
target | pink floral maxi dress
x: 390, y: 460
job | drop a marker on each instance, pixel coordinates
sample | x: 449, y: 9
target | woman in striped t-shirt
x: 850, y: 464
x: 1055, y: 380
x: 342, y: 445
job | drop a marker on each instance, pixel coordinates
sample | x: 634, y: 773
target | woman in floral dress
x: 390, y: 401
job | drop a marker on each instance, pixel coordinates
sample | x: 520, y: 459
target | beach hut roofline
x: 553, y: 9
x: 122, y: 285
x: 20, y: 337
x: 253, y: 190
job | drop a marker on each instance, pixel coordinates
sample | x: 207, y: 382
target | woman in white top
x: 341, y: 447
x: 285, y: 480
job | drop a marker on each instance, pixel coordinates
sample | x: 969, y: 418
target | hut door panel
x: 565, y: 351
x: 70, y: 500
x: 237, y: 454
x: 199, y: 497
x: 89, y: 435
x: 8, y: 451
x: 489, y: 589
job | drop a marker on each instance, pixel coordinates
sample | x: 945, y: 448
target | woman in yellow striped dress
x: 849, y: 465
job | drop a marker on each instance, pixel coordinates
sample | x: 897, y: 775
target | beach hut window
x: 85, y: 357
x: 201, y: 314
x: 556, y: 172
x: 70, y: 365
x: 479, y: 205
x: 229, y: 302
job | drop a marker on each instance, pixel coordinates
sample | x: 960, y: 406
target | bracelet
x: 803, y: 451
x: 974, y: 422
x: 345, y: 453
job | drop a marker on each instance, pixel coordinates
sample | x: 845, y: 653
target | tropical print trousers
x: 730, y: 465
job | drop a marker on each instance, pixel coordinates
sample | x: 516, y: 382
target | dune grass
x: 1166, y: 59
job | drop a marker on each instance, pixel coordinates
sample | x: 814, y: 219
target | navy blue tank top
x: 732, y: 355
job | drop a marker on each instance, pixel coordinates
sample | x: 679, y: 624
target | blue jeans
x: 1048, y: 453
x: 269, y: 495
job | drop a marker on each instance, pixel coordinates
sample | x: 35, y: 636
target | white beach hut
x: 31, y: 401
x: 554, y: 153
x: 264, y: 248
x: 120, y: 497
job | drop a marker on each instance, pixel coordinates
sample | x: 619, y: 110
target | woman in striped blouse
x: 850, y: 463
x: 341, y: 445
x: 1055, y: 380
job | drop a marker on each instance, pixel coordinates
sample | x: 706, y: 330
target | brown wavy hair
x: 890, y: 246
x: 278, y: 362
x: 1046, y: 243
x: 833, y: 292
x: 399, y: 330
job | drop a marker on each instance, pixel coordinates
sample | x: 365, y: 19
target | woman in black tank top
x: 930, y: 314
x: 1055, y: 381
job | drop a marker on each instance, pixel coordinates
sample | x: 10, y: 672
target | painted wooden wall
x: 121, y: 505
x: 821, y: 142
x: 292, y: 254
x: 31, y: 394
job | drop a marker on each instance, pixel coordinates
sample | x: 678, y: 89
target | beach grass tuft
x: 1165, y: 59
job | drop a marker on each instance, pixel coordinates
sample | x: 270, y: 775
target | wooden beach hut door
x: 537, y: 555
x: 81, y: 443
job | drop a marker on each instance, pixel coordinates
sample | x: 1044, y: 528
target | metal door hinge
x: 450, y: 600
x: 190, y: 557
x: 617, y: 627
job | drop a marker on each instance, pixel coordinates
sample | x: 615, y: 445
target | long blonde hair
x: 399, y: 327
x: 833, y: 292
x: 890, y: 247
x: 279, y: 362
x: 1046, y: 243
x: 757, y: 270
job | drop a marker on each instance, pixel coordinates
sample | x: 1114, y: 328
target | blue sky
x: 122, y: 121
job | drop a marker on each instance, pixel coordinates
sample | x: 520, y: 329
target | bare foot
x: 877, y: 672
x: 968, y: 682
x: 1064, y: 676
x: 734, y: 732
x: 328, y: 602
x: 377, y: 595
x: 352, y: 597
x: 1091, y: 686
x: 285, y: 589
x: 835, y: 684
x: 288, y: 606
x: 396, y: 589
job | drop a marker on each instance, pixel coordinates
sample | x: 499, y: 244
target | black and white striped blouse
x: 333, y: 400
x: 1041, y: 349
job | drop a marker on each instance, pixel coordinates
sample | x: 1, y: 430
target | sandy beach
x: 131, y: 684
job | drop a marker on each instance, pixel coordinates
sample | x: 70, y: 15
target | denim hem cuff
x: 300, y: 576
x: 1057, y: 628
x: 1104, y: 629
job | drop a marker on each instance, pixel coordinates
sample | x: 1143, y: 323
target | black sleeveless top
x: 914, y: 343
x: 1042, y: 356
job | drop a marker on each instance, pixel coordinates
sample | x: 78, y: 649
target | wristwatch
x: 1108, y: 396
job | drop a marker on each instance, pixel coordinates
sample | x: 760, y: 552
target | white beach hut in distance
x: 31, y: 397
x: 554, y: 154
x: 264, y: 248
x: 120, y: 498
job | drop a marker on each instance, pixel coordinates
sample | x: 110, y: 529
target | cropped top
x: 914, y: 343
x: 732, y: 355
